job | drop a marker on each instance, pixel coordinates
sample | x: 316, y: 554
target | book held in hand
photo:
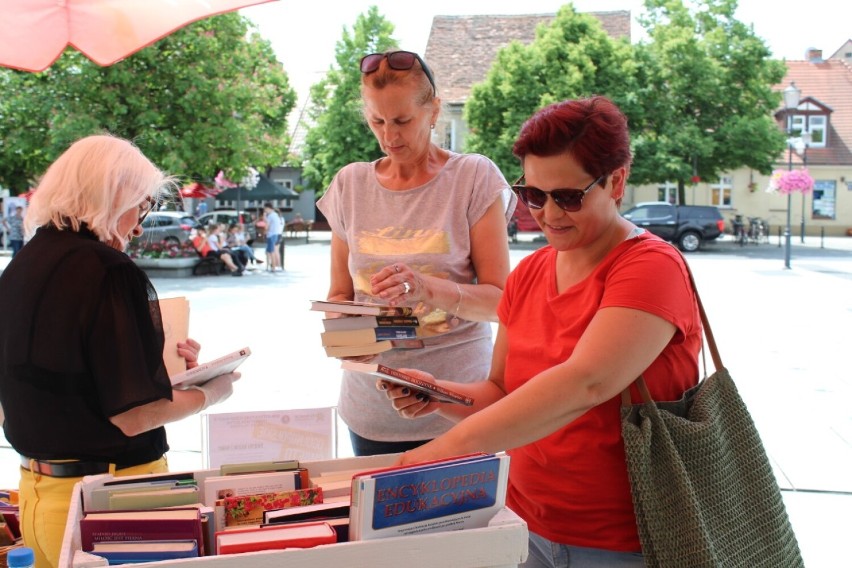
x: 369, y: 335
x: 358, y: 350
x: 210, y: 370
x: 391, y: 375
x: 359, y: 308
x: 454, y: 494
x: 366, y: 322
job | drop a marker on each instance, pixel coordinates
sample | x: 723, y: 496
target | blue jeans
x: 16, y: 246
x: 547, y: 554
x: 364, y: 447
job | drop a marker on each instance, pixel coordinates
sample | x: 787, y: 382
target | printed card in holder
x: 210, y: 370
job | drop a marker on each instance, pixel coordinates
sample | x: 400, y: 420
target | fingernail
x: 383, y: 386
x: 405, y: 391
x: 421, y: 396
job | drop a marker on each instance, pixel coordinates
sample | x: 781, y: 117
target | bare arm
x: 559, y: 395
x: 158, y: 413
x: 341, y: 287
x: 475, y: 302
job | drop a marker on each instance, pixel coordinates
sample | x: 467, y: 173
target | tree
x: 571, y: 57
x: 712, y: 103
x: 206, y: 98
x: 339, y: 135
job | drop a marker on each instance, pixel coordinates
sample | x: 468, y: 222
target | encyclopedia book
x: 458, y: 494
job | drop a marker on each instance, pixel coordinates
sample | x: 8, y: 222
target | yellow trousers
x: 44, y: 502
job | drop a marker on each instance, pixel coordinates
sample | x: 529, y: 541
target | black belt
x: 64, y: 469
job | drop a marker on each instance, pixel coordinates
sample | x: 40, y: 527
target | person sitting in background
x: 236, y: 241
x: 82, y: 378
x: 210, y: 247
x: 580, y: 320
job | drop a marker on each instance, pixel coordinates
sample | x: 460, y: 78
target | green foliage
x: 712, y: 104
x: 571, y: 57
x: 338, y: 135
x: 208, y: 97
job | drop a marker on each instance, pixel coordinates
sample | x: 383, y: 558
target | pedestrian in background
x: 274, y: 228
x: 15, y: 230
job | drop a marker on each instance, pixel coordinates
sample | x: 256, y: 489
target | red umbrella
x: 197, y: 190
x: 34, y: 33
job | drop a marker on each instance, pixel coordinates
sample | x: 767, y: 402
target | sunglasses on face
x: 567, y: 199
x: 146, y: 207
x: 398, y: 61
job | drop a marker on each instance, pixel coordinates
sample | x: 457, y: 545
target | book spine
x: 394, y: 321
x: 104, y: 530
x: 395, y: 332
x: 426, y: 385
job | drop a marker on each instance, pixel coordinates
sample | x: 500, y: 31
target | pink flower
x: 221, y: 181
x: 791, y: 181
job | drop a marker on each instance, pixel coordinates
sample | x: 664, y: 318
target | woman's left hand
x: 189, y: 350
x: 397, y: 283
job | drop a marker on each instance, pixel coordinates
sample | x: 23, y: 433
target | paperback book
x: 135, y: 552
x: 210, y: 370
x: 218, y: 487
x: 368, y: 322
x: 368, y: 335
x: 435, y: 392
x: 452, y: 495
x: 359, y: 308
x: 359, y: 350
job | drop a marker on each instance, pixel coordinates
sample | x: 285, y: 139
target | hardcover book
x: 134, y: 552
x: 359, y: 350
x: 99, y: 498
x: 436, y: 392
x: 359, y: 308
x: 210, y: 370
x: 168, y: 497
x: 155, y: 524
x: 368, y: 322
x: 318, y: 512
x: 453, y: 495
x: 298, y: 535
x: 248, y: 509
x: 368, y: 335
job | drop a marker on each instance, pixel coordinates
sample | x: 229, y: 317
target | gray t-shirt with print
x: 427, y: 228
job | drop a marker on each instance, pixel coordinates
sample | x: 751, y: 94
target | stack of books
x: 367, y: 329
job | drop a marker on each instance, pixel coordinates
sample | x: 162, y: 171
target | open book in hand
x: 435, y: 392
x: 210, y: 370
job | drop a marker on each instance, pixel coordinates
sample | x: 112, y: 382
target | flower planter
x: 166, y: 267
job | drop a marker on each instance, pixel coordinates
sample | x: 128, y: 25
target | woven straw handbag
x: 703, y: 489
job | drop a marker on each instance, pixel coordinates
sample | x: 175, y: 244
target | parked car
x: 172, y: 226
x: 229, y: 217
x: 688, y: 226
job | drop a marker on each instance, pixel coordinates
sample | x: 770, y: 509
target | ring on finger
x: 406, y: 287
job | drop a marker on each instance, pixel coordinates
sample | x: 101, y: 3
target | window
x: 825, y: 199
x: 720, y: 193
x: 667, y: 192
x: 815, y: 124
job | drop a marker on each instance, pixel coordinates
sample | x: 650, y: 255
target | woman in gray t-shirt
x: 421, y: 227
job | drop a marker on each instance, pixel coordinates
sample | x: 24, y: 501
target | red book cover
x: 155, y: 524
x: 248, y: 509
x: 296, y: 535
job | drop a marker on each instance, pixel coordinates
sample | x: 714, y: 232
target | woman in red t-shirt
x: 580, y: 319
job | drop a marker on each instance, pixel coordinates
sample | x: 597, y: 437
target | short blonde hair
x: 95, y: 181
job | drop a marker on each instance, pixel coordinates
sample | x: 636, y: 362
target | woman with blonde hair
x: 82, y: 379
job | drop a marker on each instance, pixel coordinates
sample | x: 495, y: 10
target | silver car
x: 170, y: 226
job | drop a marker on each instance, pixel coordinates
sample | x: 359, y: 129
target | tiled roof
x: 830, y: 82
x: 461, y: 48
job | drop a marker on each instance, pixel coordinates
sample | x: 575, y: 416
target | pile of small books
x: 366, y: 329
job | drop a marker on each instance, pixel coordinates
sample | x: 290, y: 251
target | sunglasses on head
x: 398, y: 61
x: 567, y: 199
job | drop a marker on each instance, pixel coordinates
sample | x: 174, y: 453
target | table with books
x: 445, y: 513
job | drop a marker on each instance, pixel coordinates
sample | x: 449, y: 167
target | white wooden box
x: 502, y: 544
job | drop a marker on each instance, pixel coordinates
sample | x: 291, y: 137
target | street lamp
x: 805, y: 141
x: 791, y: 102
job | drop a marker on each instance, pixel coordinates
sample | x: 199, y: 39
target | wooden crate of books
x: 500, y: 544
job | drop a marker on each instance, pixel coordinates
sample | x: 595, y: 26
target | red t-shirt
x: 571, y: 486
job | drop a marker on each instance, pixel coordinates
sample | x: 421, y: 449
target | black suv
x: 688, y: 226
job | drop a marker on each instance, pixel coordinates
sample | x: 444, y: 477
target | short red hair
x: 593, y: 130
